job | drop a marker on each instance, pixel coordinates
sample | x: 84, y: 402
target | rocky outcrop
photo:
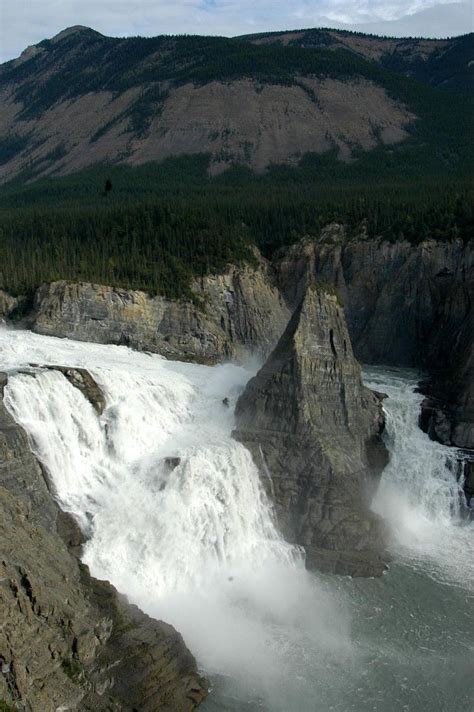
x: 402, y: 301
x: 447, y: 414
x: 9, y: 305
x: 315, y: 430
x: 68, y: 641
x: 81, y: 379
x: 469, y: 480
x: 234, y: 313
x: 405, y: 305
x: 20, y: 473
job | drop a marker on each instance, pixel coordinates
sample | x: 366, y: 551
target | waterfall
x: 173, y: 507
x: 153, y: 525
x: 420, y: 495
x: 177, y: 520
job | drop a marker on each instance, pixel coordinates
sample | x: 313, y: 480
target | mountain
x: 442, y: 63
x: 81, y: 99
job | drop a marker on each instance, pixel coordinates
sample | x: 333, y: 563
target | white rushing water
x: 420, y: 495
x: 197, y: 545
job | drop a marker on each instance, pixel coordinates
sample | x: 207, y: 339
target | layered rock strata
x: 68, y: 641
x: 405, y: 305
x: 234, y: 313
x: 314, y: 431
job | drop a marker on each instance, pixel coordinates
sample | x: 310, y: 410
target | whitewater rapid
x: 178, y: 520
x: 420, y: 495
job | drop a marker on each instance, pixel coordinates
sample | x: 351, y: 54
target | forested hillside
x: 80, y: 99
x: 149, y: 162
x: 444, y: 64
x: 158, y: 227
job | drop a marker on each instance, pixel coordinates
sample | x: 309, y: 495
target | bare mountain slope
x: 82, y: 98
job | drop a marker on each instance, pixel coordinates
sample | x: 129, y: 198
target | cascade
x: 177, y: 520
x: 420, y: 495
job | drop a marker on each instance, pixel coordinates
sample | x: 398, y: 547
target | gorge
x: 197, y: 545
x: 236, y: 373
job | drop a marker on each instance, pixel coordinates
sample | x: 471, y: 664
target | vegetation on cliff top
x: 160, y: 226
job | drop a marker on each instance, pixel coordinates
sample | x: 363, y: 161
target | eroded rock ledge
x: 67, y: 640
x: 312, y: 425
x: 235, y: 312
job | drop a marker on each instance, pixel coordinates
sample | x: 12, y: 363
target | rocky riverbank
x: 69, y: 641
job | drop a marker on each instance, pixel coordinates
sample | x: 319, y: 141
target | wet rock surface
x: 68, y: 641
x: 314, y: 431
x: 81, y: 378
x: 447, y: 414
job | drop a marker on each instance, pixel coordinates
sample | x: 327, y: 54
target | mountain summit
x: 81, y: 98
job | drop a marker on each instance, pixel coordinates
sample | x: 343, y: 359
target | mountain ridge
x: 82, y: 98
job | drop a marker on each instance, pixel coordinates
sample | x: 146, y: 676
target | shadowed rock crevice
x: 307, y: 417
x: 408, y: 305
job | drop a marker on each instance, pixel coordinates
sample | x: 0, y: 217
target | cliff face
x: 405, y: 305
x: 401, y: 301
x: 241, y: 311
x: 315, y: 429
x: 68, y: 641
x: 447, y: 414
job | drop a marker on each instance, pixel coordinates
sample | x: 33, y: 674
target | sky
x: 26, y: 22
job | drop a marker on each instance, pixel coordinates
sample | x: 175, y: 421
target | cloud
x: 26, y: 22
x: 439, y: 21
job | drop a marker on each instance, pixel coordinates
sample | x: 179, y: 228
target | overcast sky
x: 26, y: 22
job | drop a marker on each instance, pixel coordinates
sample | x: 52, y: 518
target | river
x: 194, y: 542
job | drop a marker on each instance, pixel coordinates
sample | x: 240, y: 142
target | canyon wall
x: 406, y: 305
x: 314, y: 431
x: 234, y: 313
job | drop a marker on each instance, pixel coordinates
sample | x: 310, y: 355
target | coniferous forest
x: 156, y: 227
x: 159, y: 225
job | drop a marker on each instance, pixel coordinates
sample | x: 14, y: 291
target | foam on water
x: 197, y: 545
x: 420, y: 494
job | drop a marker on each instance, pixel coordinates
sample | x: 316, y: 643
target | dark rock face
x: 405, y: 305
x: 20, y: 473
x: 312, y: 425
x: 68, y: 641
x: 469, y: 479
x: 172, y: 463
x: 81, y: 378
x: 448, y: 412
x: 401, y: 301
